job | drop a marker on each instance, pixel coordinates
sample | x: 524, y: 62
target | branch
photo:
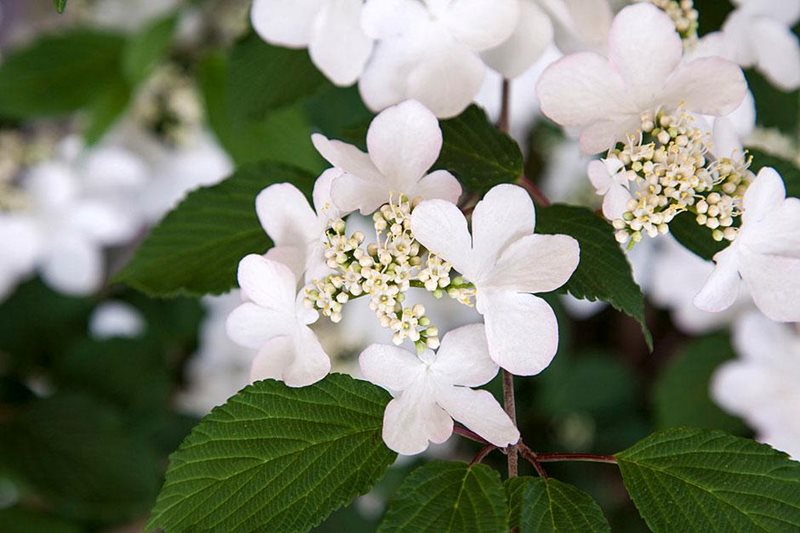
x: 486, y: 450
x: 532, y: 458
x: 585, y: 457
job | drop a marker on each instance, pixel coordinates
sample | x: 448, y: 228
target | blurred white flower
x: 606, y: 98
x: 505, y: 261
x: 429, y: 51
x: 274, y: 321
x: 116, y: 319
x: 403, y: 141
x: 330, y: 29
x: 765, y: 254
x: 761, y: 385
x: 432, y: 389
x: 20, y: 243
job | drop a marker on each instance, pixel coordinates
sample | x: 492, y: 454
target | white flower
x: 505, y: 261
x: 761, y: 385
x: 116, y: 319
x: 428, y: 51
x: 759, y: 34
x: 766, y: 254
x: 274, y: 321
x: 296, y: 229
x: 403, y: 141
x: 331, y: 29
x: 610, y: 181
x: 433, y: 389
x: 20, y: 244
x: 605, y: 98
x: 580, y: 25
x: 531, y: 38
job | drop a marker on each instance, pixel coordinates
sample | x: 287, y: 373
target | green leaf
x: 20, y: 520
x: 106, y: 109
x: 145, y: 49
x: 694, y: 237
x: 263, y: 77
x: 478, y: 153
x: 774, y: 108
x: 681, y: 394
x: 698, y: 480
x: 275, y: 458
x: 548, y: 505
x: 603, y: 273
x: 59, y: 74
x: 445, y: 497
x: 787, y: 169
x: 80, y: 458
x: 60, y: 5
x: 196, y: 248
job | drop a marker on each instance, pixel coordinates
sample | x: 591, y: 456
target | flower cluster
x: 668, y: 168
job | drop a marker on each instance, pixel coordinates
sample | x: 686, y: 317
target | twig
x: 505, y: 108
x: 536, y: 193
x: 586, y: 457
x: 532, y: 458
x: 486, y: 450
x: 471, y: 435
x: 509, y: 405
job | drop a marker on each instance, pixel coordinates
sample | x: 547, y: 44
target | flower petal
x: 709, y: 85
x: 722, y: 287
x: 272, y: 359
x: 412, y: 420
x: 438, y: 185
x: 777, y: 53
x: 531, y: 37
x: 480, y: 24
x: 463, y: 357
x: 347, y: 157
x: 774, y: 283
x: 391, y: 18
x: 441, y: 228
x: 385, y: 79
x: 351, y: 193
x: 615, y: 203
x: 285, y: 23
x: 777, y: 233
x: 267, y: 283
x: 763, y: 196
x: 339, y: 46
x: 391, y: 367
x: 310, y: 362
x: 535, y: 263
x: 759, y: 339
x: 404, y: 142
x: 521, y: 329
x: 293, y: 257
x: 286, y: 216
x: 323, y: 202
x: 251, y: 326
x: 479, y: 411
x: 73, y: 265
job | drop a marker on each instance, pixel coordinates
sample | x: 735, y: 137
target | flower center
x: 683, y: 15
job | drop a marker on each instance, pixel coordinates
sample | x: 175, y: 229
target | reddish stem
x: 533, y: 458
x: 471, y: 435
x: 486, y: 450
x: 586, y: 457
x: 536, y: 193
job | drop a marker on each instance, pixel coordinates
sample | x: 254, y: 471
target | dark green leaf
x: 603, y: 273
x: 263, y: 77
x: 19, y: 520
x: 694, y: 237
x: 539, y: 505
x: 59, y: 74
x: 787, y: 169
x: 448, y: 497
x: 78, y: 456
x: 103, y: 112
x: 197, y: 247
x: 145, y: 49
x: 60, y: 5
x: 275, y: 458
x: 698, y: 480
x: 774, y: 108
x: 681, y: 394
x: 477, y: 152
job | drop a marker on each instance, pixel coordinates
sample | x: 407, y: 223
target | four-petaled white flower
x: 403, y: 141
x: 610, y: 181
x: 274, y: 321
x: 428, y: 51
x: 761, y: 384
x: 606, y: 97
x: 432, y: 389
x: 505, y: 261
x: 331, y: 29
x: 297, y: 229
x: 765, y: 254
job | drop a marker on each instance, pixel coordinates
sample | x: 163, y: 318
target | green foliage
x: 477, y: 153
x: 774, y: 108
x: 104, y: 111
x: 60, y: 5
x: 197, y: 247
x: 448, y: 497
x: 59, y: 74
x: 787, y: 169
x: 275, y: 458
x: 603, y: 273
x: 19, y: 520
x: 80, y: 457
x: 539, y: 505
x: 694, y: 237
x: 681, y: 393
x: 698, y: 480
x: 145, y: 49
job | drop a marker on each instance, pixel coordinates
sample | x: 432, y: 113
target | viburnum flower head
x: 331, y: 29
x: 403, y: 142
x: 297, y: 229
x: 605, y: 98
x: 274, y: 321
x: 429, y: 50
x: 765, y: 254
x: 432, y: 389
x: 505, y: 262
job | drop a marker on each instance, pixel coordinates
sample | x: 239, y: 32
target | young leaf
x: 145, y: 49
x: 603, y: 273
x: 60, y: 5
x: 477, y: 153
x: 681, y: 394
x: 694, y: 237
x: 448, y: 497
x: 697, y: 480
x: 275, y: 458
x: 59, y: 74
x: 196, y: 248
x: 548, y: 505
